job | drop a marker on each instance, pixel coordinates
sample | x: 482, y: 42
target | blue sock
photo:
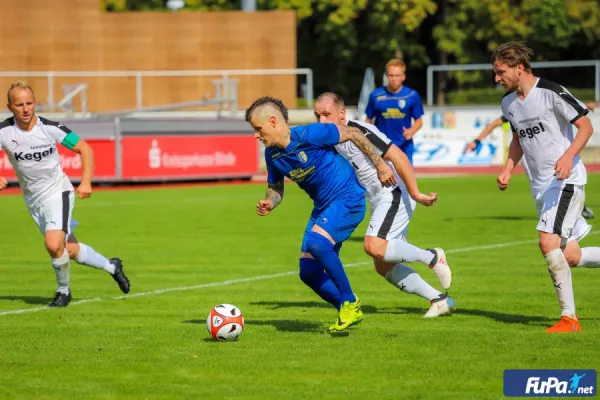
x: 323, y: 250
x: 313, y: 275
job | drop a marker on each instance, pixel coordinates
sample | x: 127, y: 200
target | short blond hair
x: 18, y: 85
x: 395, y: 62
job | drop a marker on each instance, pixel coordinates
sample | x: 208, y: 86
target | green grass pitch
x: 186, y: 250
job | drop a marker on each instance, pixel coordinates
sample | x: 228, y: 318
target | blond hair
x: 18, y: 85
x: 395, y: 62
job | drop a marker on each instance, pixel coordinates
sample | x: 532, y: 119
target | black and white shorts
x: 390, y: 215
x: 55, y: 213
x: 559, y: 210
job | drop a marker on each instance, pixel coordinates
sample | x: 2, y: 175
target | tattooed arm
x: 272, y: 198
x: 384, y: 172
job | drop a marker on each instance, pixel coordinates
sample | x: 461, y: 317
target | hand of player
x: 84, y: 190
x: 563, y: 167
x: 503, y: 180
x: 386, y: 176
x: 470, y: 147
x: 407, y: 133
x: 426, y: 199
x: 3, y: 183
x: 264, y: 207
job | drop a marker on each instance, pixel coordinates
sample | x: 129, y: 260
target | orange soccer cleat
x: 565, y: 324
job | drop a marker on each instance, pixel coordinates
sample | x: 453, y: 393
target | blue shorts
x: 408, y: 147
x: 339, y: 219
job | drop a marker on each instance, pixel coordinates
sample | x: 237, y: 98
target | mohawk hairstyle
x: 273, y: 101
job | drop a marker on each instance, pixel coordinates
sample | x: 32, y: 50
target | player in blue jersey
x: 306, y: 155
x: 393, y: 108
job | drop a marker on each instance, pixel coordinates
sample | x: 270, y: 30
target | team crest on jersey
x: 402, y: 103
x: 302, y: 157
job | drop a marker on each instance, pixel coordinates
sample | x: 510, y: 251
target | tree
x: 134, y: 5
x: 339, y: 39
x: 474, y: 28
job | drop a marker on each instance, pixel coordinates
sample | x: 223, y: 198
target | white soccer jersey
x: 35, y: 159
x: 542, y: 122
x: 365, y: 170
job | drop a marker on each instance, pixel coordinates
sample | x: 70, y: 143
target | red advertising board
x: 187, y: 156
x: 104, y: 154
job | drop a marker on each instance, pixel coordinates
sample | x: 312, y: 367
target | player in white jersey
x: 541, y: 114
x: 30, y: 143
x: 391, y: 211
x: 586, y: 213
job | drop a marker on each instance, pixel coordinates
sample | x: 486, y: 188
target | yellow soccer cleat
x: 350, y: 314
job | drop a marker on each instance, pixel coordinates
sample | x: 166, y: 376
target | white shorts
x: 55, y: 213
x: 559, y: 210
x: 390, y: 215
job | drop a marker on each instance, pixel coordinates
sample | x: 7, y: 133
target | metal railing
x: 543, y: 64
x: 66, y: 103
x: 139, y: 75
x: 225, y: 94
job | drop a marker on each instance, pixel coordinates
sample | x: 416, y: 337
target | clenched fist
x: 264, y: 207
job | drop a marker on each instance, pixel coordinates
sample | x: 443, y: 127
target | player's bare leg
x: 54, y: 241
x: 399, y: 251
x: 586, y: 257
x: 86, y: 255
x: 560, y: 272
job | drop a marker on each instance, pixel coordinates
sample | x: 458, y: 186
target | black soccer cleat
x: 119, y: 275
x: 61, y: 300
x: 587, y: 212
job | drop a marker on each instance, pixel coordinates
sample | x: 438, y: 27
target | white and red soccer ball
x: 225, y: 322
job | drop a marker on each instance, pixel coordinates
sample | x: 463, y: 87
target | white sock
x: 399, y: 251
x: 88, y: 256
x: 61, y: 266
x: 590, y: 257
x: 561, y: 277
x: 407, y: 280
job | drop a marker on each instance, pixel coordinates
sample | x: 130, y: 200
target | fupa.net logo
x: 550, y: 383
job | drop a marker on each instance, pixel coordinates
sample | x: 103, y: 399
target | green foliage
x: 212, y: 5
x: 134, y: 5
x: 474, y: 28
x: 338, y: 39
x: 486, y: 96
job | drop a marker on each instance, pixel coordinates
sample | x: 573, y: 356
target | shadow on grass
x: 289, y: 325
x: 275, y: 305
x: 28, y: 299
x: 498, y: 218
x: 358, y: 239
x: 280, y: 325
x: 497, y: 316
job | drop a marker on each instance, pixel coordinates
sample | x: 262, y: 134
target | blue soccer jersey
x: 311, y: 161
x: 390, y: 112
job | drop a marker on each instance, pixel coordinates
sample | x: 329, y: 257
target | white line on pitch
x: 256, y: 278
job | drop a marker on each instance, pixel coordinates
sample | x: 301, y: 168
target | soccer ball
x: 225, y: 322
